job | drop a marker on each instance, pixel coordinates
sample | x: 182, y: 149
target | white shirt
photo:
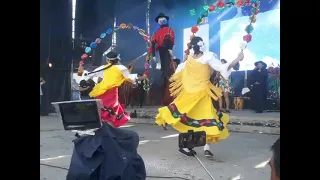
x: 126, y: 73
x: 224, y: 72
x: 212, y: 60
x: 41, y: 83
x: 75, y: 85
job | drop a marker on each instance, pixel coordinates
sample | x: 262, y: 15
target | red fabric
x: 110, y: 100
x: 167, y: 99
x: 161, y: 34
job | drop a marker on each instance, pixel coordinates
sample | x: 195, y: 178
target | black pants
x: 258, y: 98
x: 141, y: 97
x: 165, y: 59
x: 85, y: 97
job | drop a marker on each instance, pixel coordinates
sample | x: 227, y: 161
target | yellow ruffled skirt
x: 195, y: 112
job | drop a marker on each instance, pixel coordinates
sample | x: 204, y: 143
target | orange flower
x: 123, y: 26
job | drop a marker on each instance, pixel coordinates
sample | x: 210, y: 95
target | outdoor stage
x: 240, y: 121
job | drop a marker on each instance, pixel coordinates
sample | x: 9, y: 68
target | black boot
x: 208, y: 154
x: 190, y: 153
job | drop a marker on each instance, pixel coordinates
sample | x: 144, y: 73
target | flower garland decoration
x: 221, y: 6
x: 109, y: 31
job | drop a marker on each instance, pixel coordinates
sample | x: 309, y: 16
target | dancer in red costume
x: 107, y: 90
x: 163, y: 42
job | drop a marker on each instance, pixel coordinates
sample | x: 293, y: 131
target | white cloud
x: 230, y: 50
x: 269, y: 60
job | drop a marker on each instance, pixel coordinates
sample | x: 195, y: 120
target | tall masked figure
x: 192, y: 108
x: 114, y: 74
x: 163, y: 42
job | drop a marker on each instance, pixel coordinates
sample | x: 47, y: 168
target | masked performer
x: 192, y: 108
x: 107, y: 90
x: 163, y: 42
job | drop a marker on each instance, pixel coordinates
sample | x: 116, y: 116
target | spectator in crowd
x: 85, y: 87
x: 75, y: 90
x: 275, y: 161
x: 225, y: 82
x: 42, y: 82
x: 142, y: 92
x: 259, y: 86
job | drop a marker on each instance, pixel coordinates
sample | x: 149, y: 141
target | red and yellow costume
x: 107, y: 91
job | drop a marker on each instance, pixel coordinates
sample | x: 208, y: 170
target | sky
x: 265, y: 44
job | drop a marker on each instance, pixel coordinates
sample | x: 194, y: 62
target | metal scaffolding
x: 148, y: 18
x: 114, y: 35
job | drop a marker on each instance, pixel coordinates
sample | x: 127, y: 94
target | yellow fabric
x: 112, y: 77
x: 193, y: 96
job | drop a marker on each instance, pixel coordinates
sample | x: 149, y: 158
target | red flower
x: 239, y: 3
x: 147, y: 73
x: 247, y: 38
x: 150, y: 50
x: 84, y: 56
x: 172, y: 107
x: 221, y: 4
x: 211, y: 8
x: 184, y: 117
x: 194, y: 29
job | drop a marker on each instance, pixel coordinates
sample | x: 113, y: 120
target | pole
x: 49, y: 45
x: 148, y: 18
x: 204, y: 167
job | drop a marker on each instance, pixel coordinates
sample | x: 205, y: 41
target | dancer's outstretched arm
x: 237, y: 60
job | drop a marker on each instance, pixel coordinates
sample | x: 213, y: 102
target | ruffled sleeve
x: 126, y: 74
x: 212, y: 60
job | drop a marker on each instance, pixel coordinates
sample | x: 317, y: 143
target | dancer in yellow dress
x: 192, y: 108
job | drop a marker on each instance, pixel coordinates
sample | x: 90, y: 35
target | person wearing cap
x: 114, y: 74
x: 258, y: 80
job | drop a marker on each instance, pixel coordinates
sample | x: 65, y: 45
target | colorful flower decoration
x: 98, y: 40
x: 103, y: 35
x: 88, y: 50
x: 221, y: 6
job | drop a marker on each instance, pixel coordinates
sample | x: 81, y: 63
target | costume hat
x: 160, y: 16
x: 264, y: 64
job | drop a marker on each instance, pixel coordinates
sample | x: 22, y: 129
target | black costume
x: 258, y: 82
x: 111, y: 154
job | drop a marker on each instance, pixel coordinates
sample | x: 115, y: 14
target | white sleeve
x: 180, y: 67
x: 126, y: 73
x: 213, y: 62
